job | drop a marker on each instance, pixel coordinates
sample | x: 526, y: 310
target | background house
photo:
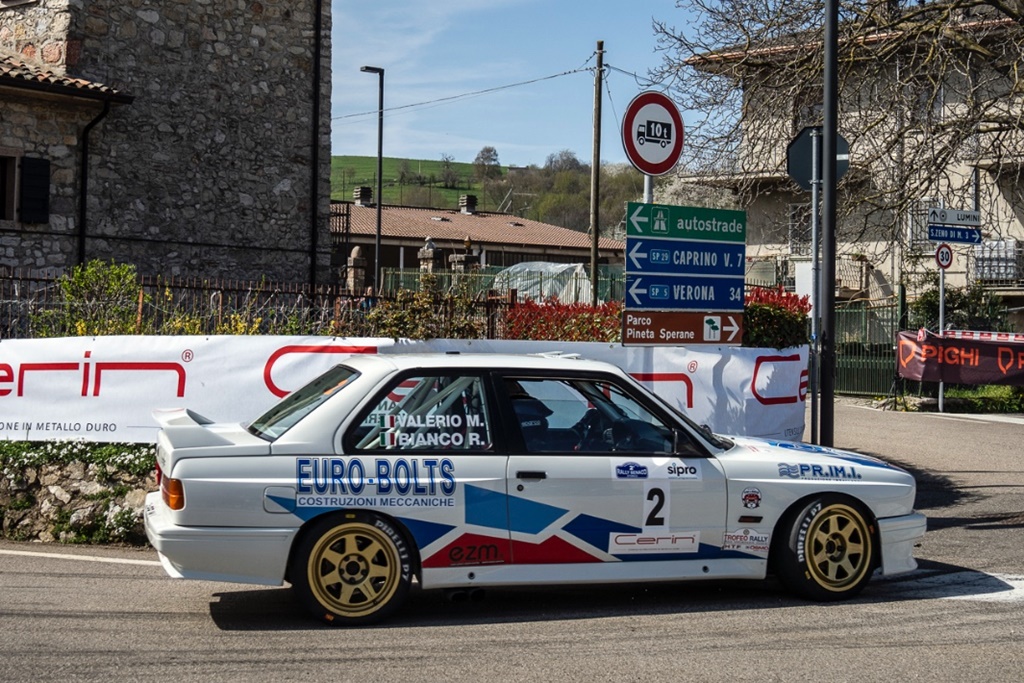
x: 188, y: 139
x: 930, y: 104
x: 460, y: 238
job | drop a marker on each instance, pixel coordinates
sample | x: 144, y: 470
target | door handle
x: 529, y: 474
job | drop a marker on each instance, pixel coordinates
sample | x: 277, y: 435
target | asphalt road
x: 94, y: 613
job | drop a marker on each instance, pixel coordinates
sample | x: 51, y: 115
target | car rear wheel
x: 828, y: 550
x: 352, y: 568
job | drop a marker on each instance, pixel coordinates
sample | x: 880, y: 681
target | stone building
x: 190, y: 138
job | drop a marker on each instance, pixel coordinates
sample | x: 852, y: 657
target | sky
x: 438, y: 56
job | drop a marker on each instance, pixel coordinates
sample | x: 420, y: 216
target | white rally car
x: 467, y: 471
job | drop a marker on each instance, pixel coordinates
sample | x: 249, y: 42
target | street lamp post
x: 380, y: 162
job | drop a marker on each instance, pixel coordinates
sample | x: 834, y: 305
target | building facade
x: 932, y: 118
x: 187, y: 138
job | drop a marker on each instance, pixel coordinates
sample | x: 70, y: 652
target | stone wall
x: 208, y: 172
x: 74, y: 503
x: 48, y: 132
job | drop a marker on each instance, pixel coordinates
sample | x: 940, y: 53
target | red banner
x: 961, y: 357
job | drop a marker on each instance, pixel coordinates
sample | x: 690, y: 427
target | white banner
x: 105, y: 388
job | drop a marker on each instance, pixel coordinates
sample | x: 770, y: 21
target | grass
x: 349, y: 172
x: 989, y: 398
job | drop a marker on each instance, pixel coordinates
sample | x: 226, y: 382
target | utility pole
x: 829, y: 150
x: 595, y: 176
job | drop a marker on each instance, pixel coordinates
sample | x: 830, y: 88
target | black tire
x: 827, y: 549
x: 351, y: 568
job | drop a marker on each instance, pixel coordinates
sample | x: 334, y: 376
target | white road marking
x: 1014, y: 592
x: 962, y: 585
x: 83, y: 558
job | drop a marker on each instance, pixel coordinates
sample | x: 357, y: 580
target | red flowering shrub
x: 554, y: 321
x: 774, y: 318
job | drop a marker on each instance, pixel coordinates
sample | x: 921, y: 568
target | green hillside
x: 409, y: 182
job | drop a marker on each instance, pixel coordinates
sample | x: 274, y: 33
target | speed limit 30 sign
x: 944, y: 256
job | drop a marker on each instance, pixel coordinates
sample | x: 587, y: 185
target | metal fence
x: 569, y: 286
x: 36, y: 305
x: 865, y: 349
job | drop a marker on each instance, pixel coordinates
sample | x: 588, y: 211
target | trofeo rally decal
x: 747, y: 541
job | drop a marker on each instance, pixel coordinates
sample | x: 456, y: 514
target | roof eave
x: 111, y: 96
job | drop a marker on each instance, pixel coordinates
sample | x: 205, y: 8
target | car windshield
x: 300, y: 403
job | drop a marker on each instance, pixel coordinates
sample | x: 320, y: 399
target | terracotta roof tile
x: 16, y: 73
x: 445, y: 224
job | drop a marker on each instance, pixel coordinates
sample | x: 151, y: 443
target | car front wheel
x: 828, y: 550
x: 352, y: 568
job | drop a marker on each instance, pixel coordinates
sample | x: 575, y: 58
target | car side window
x: 428, y: 413
x: 575, y: 415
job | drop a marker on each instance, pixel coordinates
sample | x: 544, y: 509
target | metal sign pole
x: 942, y: 320
x: 816, y: 278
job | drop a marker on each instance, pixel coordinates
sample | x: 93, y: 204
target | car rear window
x: 287, y: 412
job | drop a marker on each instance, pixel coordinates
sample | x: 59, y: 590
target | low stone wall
x: 74, y: 503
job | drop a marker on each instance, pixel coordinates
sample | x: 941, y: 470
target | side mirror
x: 683, y: 445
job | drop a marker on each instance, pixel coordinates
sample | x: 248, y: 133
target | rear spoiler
x: 184, y: 428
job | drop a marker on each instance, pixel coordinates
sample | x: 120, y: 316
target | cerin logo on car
x: 630, y: 470
x: 653, y: 542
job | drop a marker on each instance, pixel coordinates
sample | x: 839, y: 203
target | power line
x: 452, y: 98
x: 641, y: 82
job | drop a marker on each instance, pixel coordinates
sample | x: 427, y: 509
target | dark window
x: 34, y: 204
x: 6, y: 188
x: 288, y: 411
x: 572, y: 415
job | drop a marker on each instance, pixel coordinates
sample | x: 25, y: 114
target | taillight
x: 173, y: 493
x: 159, y: 474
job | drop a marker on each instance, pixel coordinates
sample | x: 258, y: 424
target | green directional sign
x: 685, y: 222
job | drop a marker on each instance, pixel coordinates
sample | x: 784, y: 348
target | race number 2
x: 656, y: 506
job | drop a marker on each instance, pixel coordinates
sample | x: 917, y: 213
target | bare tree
x: 449, y: 176
x: 930, y: 102
x: 486, y: 166
x: 565, y: 160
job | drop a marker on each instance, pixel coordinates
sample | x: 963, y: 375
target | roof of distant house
x: 482, y: 227
x: 15, y: 73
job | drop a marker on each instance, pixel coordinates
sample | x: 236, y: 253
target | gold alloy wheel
x: 354, y: 569
x: 838, y: 548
